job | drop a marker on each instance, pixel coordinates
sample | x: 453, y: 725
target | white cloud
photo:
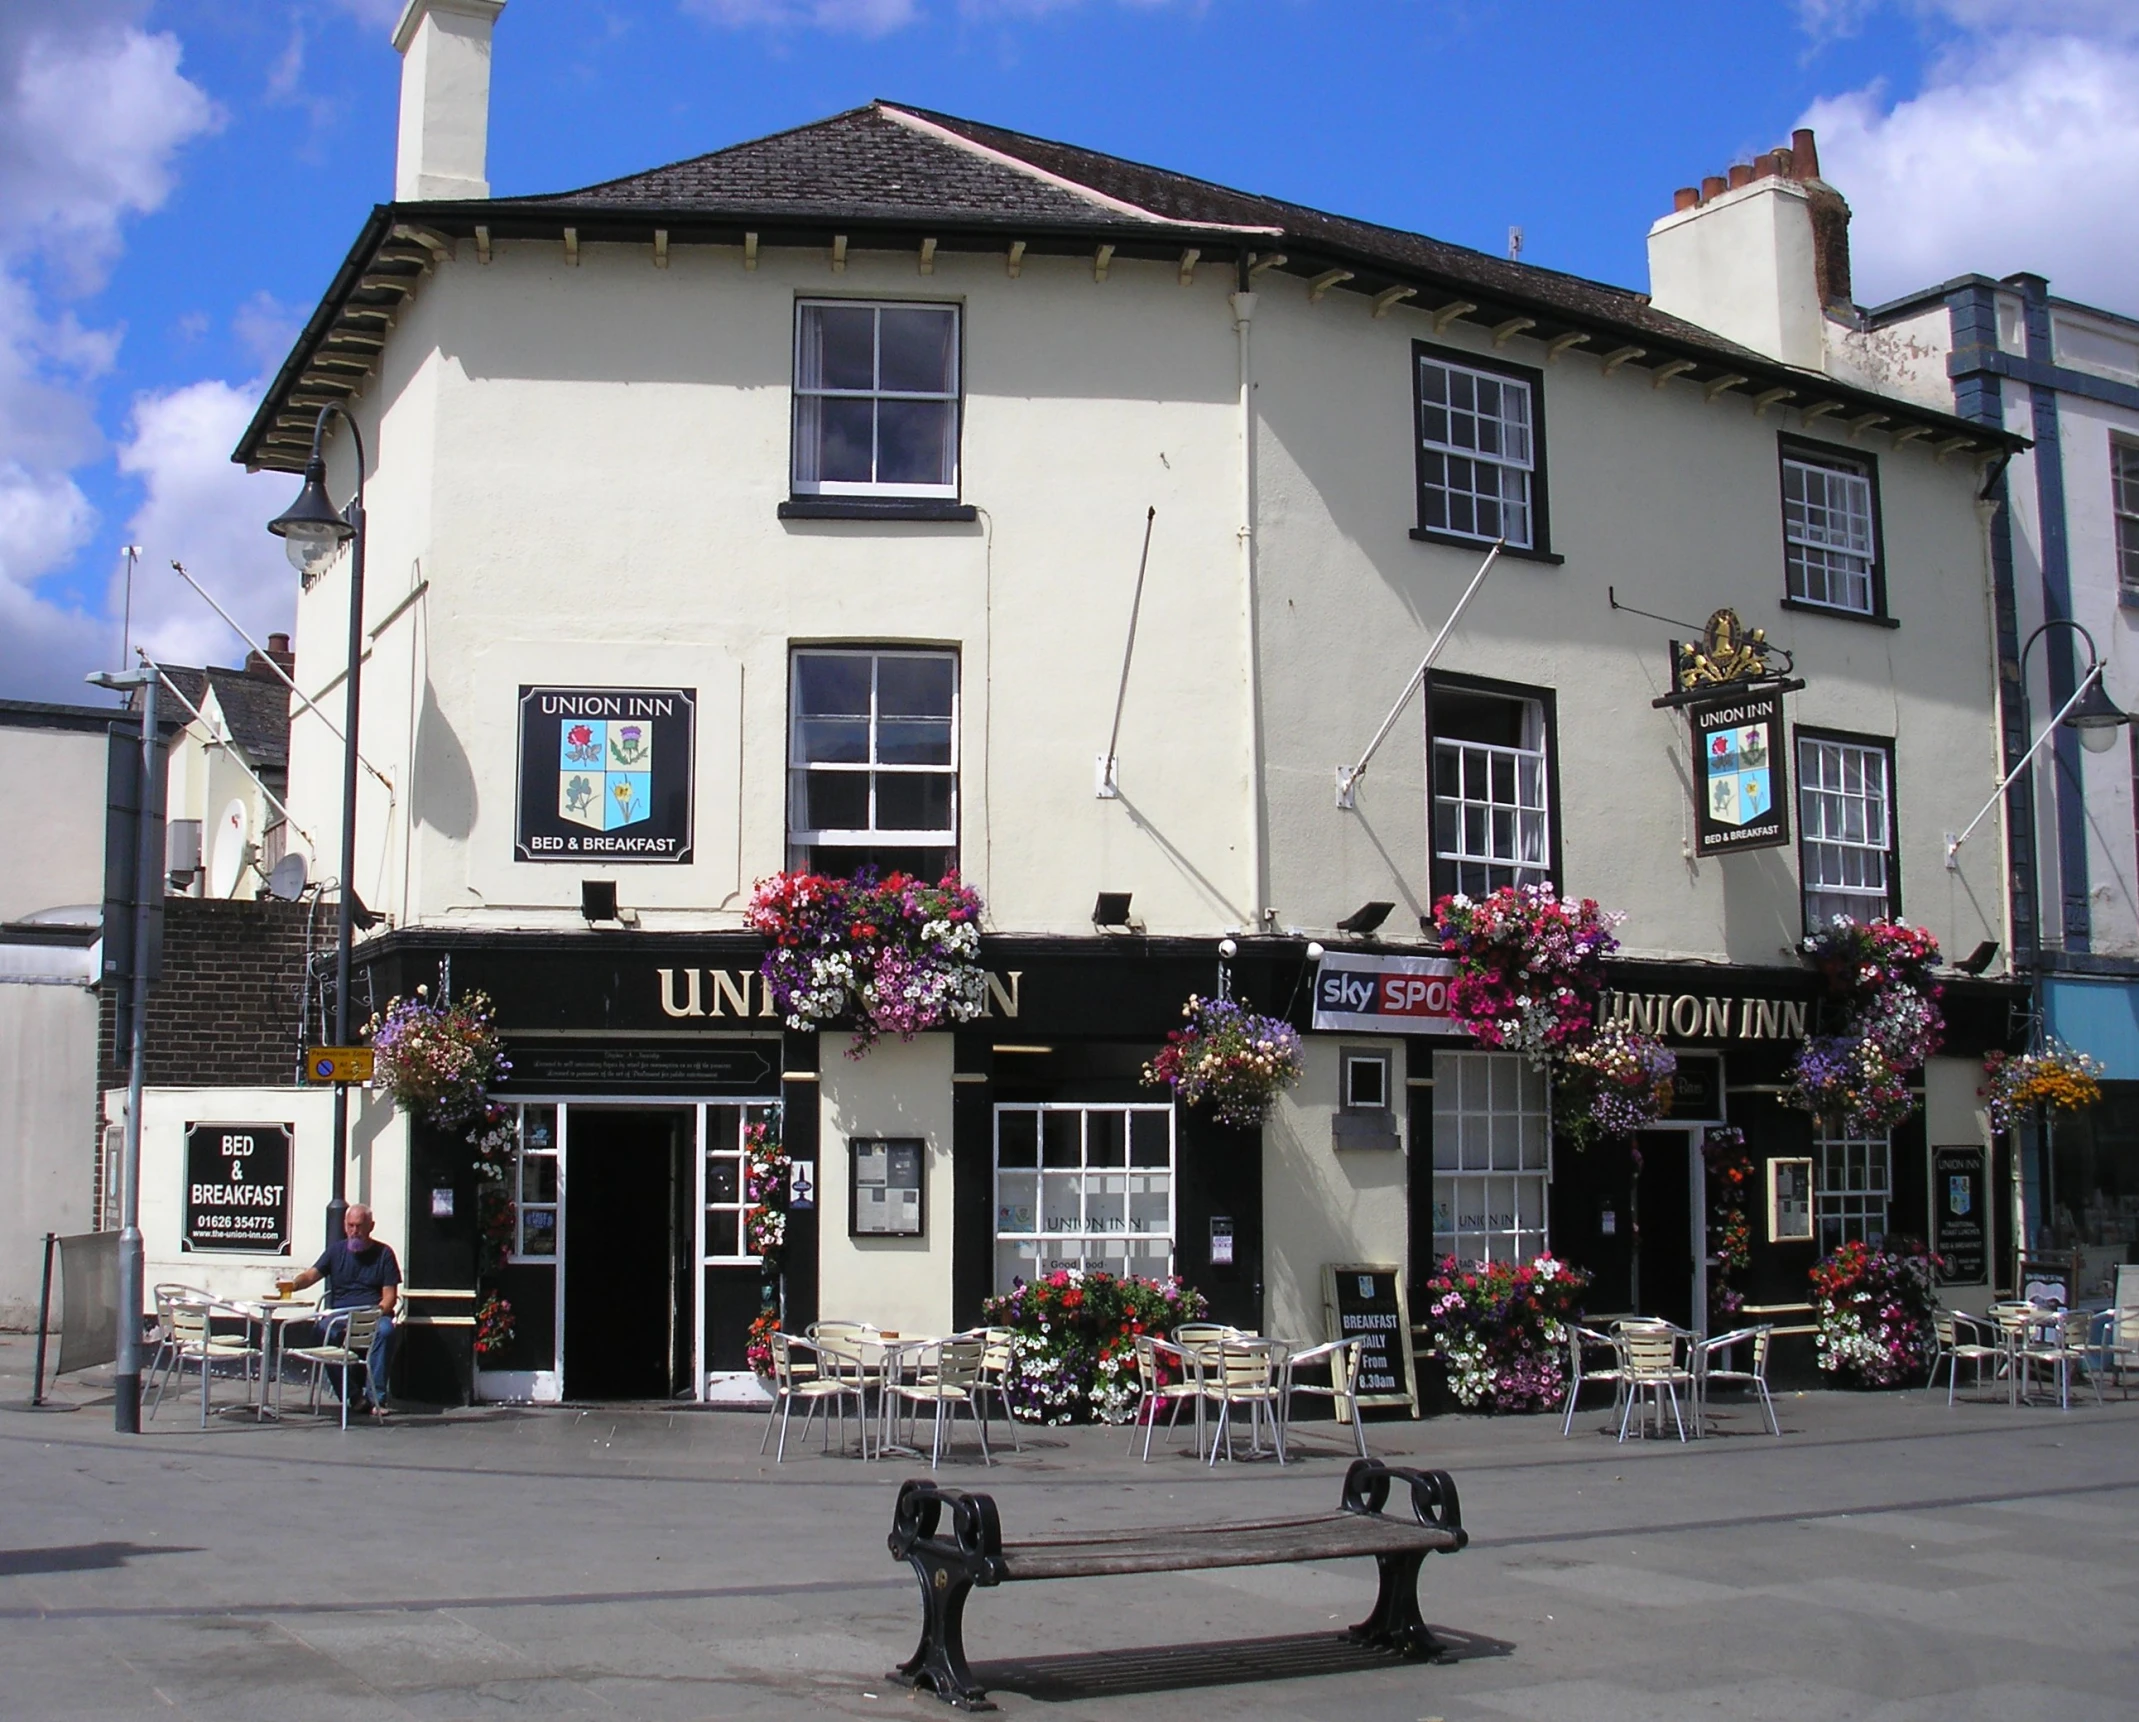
x: 2019, y: 153
x: 856, y: 17
x: 200, y: 509
x: 93, y: 111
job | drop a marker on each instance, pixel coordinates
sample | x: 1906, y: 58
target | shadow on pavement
x: 1233, y: 1662
x: 78, y: 1557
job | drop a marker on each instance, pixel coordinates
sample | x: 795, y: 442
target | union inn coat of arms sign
x: 605, y: 774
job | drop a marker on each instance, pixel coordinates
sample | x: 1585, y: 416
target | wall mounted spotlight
x: 1111, y: 909
x: 1229, y: 948
x: 1315, y: 952
x: 597, y: 900
x: 1363, y: 920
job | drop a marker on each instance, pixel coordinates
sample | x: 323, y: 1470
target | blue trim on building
x: 2099, y: 1018
x: 2038, y: 374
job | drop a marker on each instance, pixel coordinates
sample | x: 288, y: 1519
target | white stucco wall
x: 585, y: 462
x: 1675, y: 505
x: 1742, y: 265
x: 56, y: 855
x: 48, y: 1092
x: 1325, y: 1204
x: 899, y: 1089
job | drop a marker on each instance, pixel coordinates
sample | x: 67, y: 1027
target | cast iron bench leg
x: 939, y: 1661
x: 1395, y: 1623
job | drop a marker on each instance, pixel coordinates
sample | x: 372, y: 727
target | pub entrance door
x: 630, y: 1251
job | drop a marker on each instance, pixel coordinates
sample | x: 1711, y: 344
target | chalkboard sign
x: 238, y: 1188
x: 1365, y: 1301
x: 1960, y: 1213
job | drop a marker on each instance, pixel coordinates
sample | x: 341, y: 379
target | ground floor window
x: 535, y: 1223
x: 727, y: 1180
x: 1850, y: 1197
x: 1083, y: 1187
x: 1492, y: 1157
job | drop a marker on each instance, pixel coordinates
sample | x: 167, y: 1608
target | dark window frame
x: 1811, y: 451
x: 1851, y: 738
x: 1539, y: 549
x: 1436, y: 870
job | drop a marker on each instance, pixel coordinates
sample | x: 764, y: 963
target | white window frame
x: 1830, y: 532
x: 1512, y: 467
x: 801, y: 837
x: 801, y: 486
x: 1085, y: 1245
x: 1852, y: 1187
x: 1492, y: 1146
x: 2124, y: 505
x: 1839, y: 817
x: 727, y: 1219
x: 522, y: 1154
x: 1478, y: 870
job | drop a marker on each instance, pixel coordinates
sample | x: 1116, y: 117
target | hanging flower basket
x: 1529, y: 967
x: 1612, y: 1084
x: 438, y: 1060
x: 886, y: 956
x: 1857, y: 1081
x: 765, y: 1170
x: 1229, y: 1060
x: 2056, y: 1079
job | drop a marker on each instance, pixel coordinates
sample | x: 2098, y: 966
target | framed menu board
x: 1366, y: 1301
x: 1790, y: 1201
x: 887, y: 1186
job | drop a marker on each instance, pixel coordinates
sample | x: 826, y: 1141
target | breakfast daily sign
x: 605, y: 774
x: 1384, y: 994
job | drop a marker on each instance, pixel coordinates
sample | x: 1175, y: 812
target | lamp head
x: 311, y: 528
x: 2097, y: 718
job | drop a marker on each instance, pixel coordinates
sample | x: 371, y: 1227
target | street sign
x: 337, y: 1064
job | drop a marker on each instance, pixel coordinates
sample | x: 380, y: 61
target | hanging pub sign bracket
x: 1732, y: 685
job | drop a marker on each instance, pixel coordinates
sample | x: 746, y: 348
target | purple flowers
x: 1229, y: 1059
x: 1857, y: 1080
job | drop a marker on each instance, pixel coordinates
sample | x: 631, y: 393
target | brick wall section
x: 227, y: 1010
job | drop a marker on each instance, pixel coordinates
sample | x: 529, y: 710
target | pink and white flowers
x: 1529, y: 967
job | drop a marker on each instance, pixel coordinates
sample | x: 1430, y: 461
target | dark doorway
x: 628, y: 1246
x: 1664, y: 1240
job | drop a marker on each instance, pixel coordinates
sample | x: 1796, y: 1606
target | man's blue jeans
x: 378, y: 1362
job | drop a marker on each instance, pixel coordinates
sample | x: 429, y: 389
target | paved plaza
x: 1886, y: 1559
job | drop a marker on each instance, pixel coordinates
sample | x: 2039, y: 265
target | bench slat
x: 1335, y: 1536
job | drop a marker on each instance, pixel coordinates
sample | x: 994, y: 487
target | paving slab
x: 1887, y: 1557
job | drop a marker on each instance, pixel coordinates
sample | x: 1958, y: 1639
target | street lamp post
x: 311, y: 530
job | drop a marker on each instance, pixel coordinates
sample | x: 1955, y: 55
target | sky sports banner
x: 1384, y: 995
x: 605, y: 774
x: 1741, y: 783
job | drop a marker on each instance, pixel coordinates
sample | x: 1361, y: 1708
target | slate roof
x: 891, y: 173
x: 256, y: 709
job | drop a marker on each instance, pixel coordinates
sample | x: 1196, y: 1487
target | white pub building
x: 821, y: 467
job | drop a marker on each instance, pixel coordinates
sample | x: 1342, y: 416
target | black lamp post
x: 2091, y: 711
x: 311, y: 530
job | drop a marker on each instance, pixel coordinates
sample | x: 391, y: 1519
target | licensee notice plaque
x: 238, y: 1188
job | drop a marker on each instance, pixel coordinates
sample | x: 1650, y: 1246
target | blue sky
x: 179, y: 180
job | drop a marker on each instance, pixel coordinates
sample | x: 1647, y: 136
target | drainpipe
x: 1243, y: 303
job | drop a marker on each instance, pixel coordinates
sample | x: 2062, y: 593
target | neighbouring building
x: 2064, y: 549
x: 825, y: 461
x: 229, y: 773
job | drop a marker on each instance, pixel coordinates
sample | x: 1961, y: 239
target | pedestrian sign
x: 337, y: 1064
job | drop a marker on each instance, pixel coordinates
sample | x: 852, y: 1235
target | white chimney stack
x: 445, y: 98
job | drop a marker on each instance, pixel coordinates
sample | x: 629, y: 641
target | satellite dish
x: 227, y: 851
x: 287, y: 880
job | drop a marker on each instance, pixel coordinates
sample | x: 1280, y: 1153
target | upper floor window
x: 1492, y: 791
x: 873, y: 761
x: 1831, y: 530
x: 2124, y: 499
x: 1481, y: 450
x: 876, y: 399
x: 1845, y: 795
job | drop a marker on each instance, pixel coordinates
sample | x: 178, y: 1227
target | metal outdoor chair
x: 806, y: 1372
x: 350, y: 1352
x: 193, y: 1339
x: 1582, y: 1344
x: 1958, y: 1339
x: 949, y: 1377
x: 1244, y: 1372
x: 2057, y: 1353
x: 1153, y: 1390
x: 2118, y: 1347
x: 1341, y: 1358
x: 1649, y: 1359
x: 1753, y: 1378
x: 998, y: 1363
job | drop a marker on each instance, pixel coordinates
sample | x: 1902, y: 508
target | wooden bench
x: 950, y: 1560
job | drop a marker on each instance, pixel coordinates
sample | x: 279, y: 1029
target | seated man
x: 360, y: 1274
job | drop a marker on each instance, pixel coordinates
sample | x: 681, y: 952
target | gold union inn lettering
x: 1693, y: 1016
